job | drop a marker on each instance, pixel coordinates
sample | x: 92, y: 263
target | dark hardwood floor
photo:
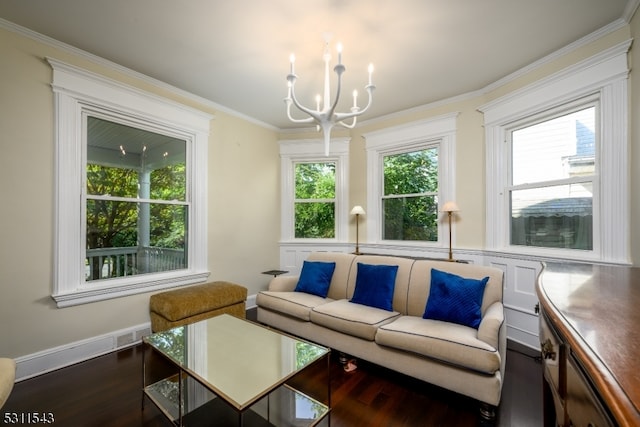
x: 106, y: 391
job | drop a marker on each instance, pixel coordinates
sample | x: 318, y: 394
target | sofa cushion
x: 294, y: 304
x: 354, y: 319
x: 315, y: 277
x: 375, y: 285
x: 455, y: 299
x: 448, y: 342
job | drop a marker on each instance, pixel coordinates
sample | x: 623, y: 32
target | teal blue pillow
x: 455, y: 299
x: 375, y: 285
x: 315, y: 278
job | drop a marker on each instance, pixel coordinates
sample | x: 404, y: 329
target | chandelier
x: 326, y: 118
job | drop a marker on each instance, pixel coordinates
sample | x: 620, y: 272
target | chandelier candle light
x: 326, y: 118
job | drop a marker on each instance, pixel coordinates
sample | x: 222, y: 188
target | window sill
x: 86, y: 294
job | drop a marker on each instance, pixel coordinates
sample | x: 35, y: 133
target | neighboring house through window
x: 131, y: 189
x: 553, y: 172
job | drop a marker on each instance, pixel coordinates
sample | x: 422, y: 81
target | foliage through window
x: 315, y: 200
x: 410, y: 199
x: 553, y: 171
x: 136, y: 201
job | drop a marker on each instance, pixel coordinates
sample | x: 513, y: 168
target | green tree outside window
x: 315, y: 200
x: 409, y: 203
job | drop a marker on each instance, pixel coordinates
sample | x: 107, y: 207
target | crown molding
x: 56, y: 44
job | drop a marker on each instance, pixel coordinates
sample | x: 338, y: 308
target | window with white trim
x: 409, y: 201
x: 315, y: 200
x: 557, y: 164
x: 131, y: 202
x: 411, y: 171
x: 553, y: 178
x: 314, y: 190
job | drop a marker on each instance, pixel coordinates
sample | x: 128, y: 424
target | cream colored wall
x: 243, y: 205
x: 470, y: 152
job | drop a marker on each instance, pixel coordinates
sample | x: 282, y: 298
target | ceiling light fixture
x: 326, y: 118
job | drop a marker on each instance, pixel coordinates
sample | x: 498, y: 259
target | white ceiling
x: 235, y: 53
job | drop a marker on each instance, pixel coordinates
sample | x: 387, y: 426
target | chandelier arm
x: 345, y: 116
x: 315, y: 115
x: 348, y: 126
x: 307, y: 120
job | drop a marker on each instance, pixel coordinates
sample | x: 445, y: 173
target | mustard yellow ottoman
x: 191, y: 304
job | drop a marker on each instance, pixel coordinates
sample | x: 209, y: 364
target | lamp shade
x: 357, y: 210
x: 450, y: 207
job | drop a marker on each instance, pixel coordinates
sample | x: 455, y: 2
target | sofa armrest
x: 283, y: 283
x: 489, y: 329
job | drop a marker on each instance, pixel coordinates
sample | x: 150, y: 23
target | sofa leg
x: 487, y: 412
x: 343, y: 358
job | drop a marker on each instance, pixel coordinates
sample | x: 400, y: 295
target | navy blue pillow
x: 455, y: 299
x: 375, y: 285
x: 315, y: 278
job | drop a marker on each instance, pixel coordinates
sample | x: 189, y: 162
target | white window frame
x: 604, y: 77
x: 76, y: 93
x: 312, y: 150
x: 438, y: 131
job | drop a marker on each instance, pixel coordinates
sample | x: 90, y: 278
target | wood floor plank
x: 106, y: 391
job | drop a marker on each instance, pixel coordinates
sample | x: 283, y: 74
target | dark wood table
x: 596, y: 312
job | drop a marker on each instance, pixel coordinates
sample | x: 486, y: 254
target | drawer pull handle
x: 547, y: 350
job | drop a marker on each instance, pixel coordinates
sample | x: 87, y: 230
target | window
x: 410, y: 197
x: 315, y: 200
x: 553, y: 172
x: 131, y: 202
x: 557, y: 168
x: 411, y: 169
x: 314, y: 190
x: 137, y: 206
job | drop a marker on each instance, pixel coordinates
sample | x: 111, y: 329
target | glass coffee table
x: 230, y: 371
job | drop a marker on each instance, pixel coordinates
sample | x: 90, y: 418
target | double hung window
x: 315, y: 200
x: 314, y: 190
x: 410, y: 197
x: 411, y: 173
x: 131, y: 198
x: 553, y: 178
x: 557, y: 164
x: 137, y: 205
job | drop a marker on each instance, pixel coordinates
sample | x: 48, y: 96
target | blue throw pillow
x: 375, y: 285
x: 315, y: 278
x: 455, y: 299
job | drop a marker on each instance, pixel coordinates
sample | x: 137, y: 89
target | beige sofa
x: 460, y: 358
x: 7, y: 378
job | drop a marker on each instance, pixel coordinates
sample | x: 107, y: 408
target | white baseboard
x: 51, y: 359
x: 251, y: 301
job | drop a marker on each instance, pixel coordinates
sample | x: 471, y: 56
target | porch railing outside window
x: 110, y: 263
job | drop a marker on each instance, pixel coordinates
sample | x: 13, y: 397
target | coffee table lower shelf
x: 283, y: 407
